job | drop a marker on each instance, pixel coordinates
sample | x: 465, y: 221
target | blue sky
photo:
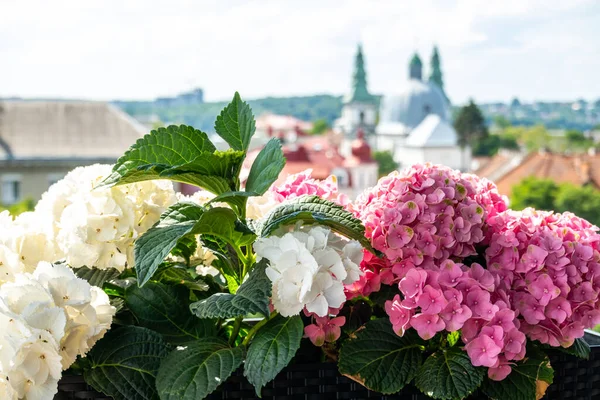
x: 141, y: 49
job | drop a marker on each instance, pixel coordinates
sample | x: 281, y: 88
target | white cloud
x: 143, y: 49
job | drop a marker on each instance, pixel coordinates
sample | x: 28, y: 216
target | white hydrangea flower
x: 97, y: 227
x: 30, y: 365
x: 258, y: 207
x: 308, y: 268
x: 55, y: 301
x: 9, y: 264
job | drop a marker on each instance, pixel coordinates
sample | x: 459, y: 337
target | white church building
x: 414, y: 122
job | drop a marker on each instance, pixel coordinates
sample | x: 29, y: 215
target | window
x: 11, y: 188
x: 362, y: 117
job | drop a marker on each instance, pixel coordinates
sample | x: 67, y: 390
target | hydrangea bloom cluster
x: 425, y: 215
x: 309, y: 268
x: 462, y: 298
x: 549, y: 265
x: 49, y: 317
x: 97, y: 227
x: 301, y: 184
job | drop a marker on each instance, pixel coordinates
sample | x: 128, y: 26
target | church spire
x: 436, y: 76
x: 359, y: 92
x: 415, y: 68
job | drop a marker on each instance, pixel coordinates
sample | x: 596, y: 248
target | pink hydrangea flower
x: 483, y: 351
x: 427, y: 325
x: 324, y: 329
x: 301, y: 184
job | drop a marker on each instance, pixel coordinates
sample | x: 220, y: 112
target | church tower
x: 360, y: 107
x: 436, y: 76
x: 415, y: 68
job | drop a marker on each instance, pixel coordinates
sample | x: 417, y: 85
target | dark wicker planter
x: 573, y: 379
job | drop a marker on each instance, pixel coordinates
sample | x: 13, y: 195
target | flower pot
x: 574, y: 378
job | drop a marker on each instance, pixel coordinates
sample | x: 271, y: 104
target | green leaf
x: 521, y: 383
x: 252, y: 297
x: 153, y: 246
x: 165, y: 310
x: 95, y: 276
x: 580, y: 348
x: 266, y: 167
x: 185, y: 248
x: 162, y: 148
x: 272, y: 349
x: 236, y: 124
x: 196, y: 370
x: 179, y: 276
x: 453, y: 338
x: 449, y: 374
x: 210, y: 170
x: 379, y: 359
x: 124, y: 363
x: 224, y: 224
x: 313, y: 209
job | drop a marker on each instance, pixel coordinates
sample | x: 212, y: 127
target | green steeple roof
x: 415, y: 68
x: 359, y: 92
x: 436, y: 76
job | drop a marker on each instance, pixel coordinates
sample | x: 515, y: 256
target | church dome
x: 399, y: 114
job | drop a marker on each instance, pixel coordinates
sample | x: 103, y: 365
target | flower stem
x: 236, y: 330
x: 256, y: 327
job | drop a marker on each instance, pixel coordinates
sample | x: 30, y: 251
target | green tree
x: 470, y: 125
x: 491, y: 144
x: 386, y: 162
x: 501, y: 121
x: 576, y: 140
x: 536, y: 138
x: 436, y: 71
x: 320, y: 126
x: 534, y: 192
x: 582, y: 201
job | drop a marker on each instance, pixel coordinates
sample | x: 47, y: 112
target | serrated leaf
x: 154, y: 245
x: 95, y: 276
x: 313, y: 209
x: 273, y: 347
x: 449, y: 374
x: 220, y: 164
x: 236, y: 124
x: 379, y: 359
x: 580, y: 348
x: 266, y: 167
x: 521, y: 383
x: 124, y: 363
x: 179, y: 276
x: 252, y: 297
x: 161, y: 148
x: 194, y: 371
x: 224, y: 224
x: 165, y: 310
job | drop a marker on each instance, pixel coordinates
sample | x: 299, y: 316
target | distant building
x: 508, y: 169
x: 360, y: 107
x: 321, y: 154
x: 41, y: 141
x: 195, y: 96
x: 415, y: 125
x: 285, y: 127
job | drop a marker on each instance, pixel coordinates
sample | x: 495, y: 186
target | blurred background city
x: 509, y: 90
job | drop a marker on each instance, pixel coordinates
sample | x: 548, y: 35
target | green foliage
x: 152, y: 248
x: 194, y: 371
x: 320, y: 126
x: 521, y: 383
x: 272, y: 349
x: 379, y: 359
x: 385, y: 162
x: 313, y: 209
x: 490, y: 145
x: 159, y: 150
x: 252, y: 297
x: 266, y: 168
x: 449, y: 374
x: 470, y: 125
x: 533, y: 192
x: 236, y: 124
x: 501, y: 121
x: 162, y: 308
x: 124, y: 363
x: 20, y: 207
x: 545, y: 194
x: 95, y: 276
